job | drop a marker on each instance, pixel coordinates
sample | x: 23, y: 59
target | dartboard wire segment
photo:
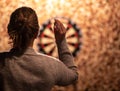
x: 47, y: 44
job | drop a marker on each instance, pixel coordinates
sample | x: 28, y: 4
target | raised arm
x: 68, y: 73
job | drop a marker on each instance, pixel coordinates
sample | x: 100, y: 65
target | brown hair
x: 23, y: 28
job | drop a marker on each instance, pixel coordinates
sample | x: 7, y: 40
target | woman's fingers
x: 59, y: 31
x: 58, y: 26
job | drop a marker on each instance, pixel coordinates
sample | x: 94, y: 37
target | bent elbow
x: 75, y: 78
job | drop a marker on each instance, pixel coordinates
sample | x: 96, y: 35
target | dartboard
x: 47, y: 44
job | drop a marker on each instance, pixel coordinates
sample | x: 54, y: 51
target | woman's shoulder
x: 47, y: 57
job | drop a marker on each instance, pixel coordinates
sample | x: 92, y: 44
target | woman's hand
x: 59, y: 31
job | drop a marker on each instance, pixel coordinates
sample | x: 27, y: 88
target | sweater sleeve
x: 66, y: 68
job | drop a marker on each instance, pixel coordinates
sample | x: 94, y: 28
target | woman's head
x: 23, y: 27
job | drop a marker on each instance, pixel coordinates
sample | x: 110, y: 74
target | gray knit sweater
x: 37, y: 72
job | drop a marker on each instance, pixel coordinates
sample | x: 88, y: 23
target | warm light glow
x: 99, y: 21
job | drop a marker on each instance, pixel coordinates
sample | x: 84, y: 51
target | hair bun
x: 25, y: 20
x: 22, y: 22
